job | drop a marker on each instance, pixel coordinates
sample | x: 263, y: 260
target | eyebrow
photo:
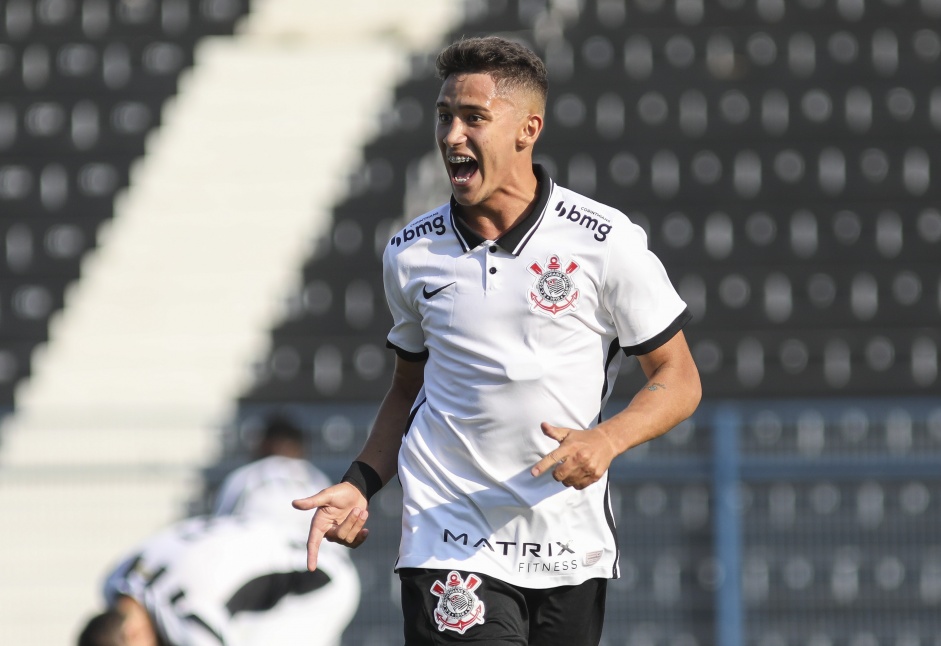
x: 463, y: 106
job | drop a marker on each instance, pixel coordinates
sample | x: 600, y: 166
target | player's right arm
x: 342, y: 509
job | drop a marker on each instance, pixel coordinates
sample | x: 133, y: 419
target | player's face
x: 477, y: 133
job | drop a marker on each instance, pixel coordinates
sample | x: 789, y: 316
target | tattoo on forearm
x: 656, y: 386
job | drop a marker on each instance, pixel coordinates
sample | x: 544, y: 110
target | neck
x: 506, y: 208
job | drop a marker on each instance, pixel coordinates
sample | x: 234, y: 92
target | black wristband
x: 363, y: 477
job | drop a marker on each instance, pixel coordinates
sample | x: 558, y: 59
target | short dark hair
x: 510, y: 64
x: 281, y: 436
x: 106, y: 629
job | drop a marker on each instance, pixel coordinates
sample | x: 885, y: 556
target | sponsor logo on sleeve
x: 459, y: 607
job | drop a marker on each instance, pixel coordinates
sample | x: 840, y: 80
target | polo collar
x: 516, y: 238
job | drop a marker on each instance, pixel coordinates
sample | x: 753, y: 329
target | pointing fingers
x: 581, y: 458
x: 556, y: 456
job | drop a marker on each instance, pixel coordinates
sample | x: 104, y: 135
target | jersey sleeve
x: 406, y: 337
x: 117, y: 581
x: 646, y: 309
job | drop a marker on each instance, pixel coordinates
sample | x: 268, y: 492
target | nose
x: 453, y: 133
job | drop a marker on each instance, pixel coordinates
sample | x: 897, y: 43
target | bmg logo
x: 426, y: 227
x: 582, y: 218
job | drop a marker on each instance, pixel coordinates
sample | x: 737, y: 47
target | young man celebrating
x: 512, y: 305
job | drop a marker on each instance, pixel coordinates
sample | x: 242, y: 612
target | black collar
x: 516, y: 238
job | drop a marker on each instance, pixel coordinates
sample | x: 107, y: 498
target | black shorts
x: 445, y: 607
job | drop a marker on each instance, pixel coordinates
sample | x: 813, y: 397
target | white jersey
x: 266, y: 488
x: 237, y: 581
x: 524, y: 330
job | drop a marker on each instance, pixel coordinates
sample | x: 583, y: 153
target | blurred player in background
x: 278, y: 473
x: 236, y: 578
x: 511, y: 307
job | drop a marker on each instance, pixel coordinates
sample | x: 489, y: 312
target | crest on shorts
x: 554, y: 291
x: 458, y: 607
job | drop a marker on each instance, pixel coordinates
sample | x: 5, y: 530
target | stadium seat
x: 82, y: 83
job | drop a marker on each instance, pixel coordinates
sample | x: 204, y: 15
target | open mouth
x: 463, y: 168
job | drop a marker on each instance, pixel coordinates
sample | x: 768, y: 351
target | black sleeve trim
x: 406, y: 355
x: 411, y: 416
x: 656, y: 341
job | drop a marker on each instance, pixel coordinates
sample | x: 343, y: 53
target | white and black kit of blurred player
x: 237, y: 577
x: 512, y: 307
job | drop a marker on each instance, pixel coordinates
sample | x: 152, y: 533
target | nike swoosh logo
x: 427, y: 294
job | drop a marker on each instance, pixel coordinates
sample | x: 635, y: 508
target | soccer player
x: 278, y: 474
x: 238, y: 578
x: 512, y: 306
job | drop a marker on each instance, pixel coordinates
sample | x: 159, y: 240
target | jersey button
x: 493, y: 270
x: 493, y: 248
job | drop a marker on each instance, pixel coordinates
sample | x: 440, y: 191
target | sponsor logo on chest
x: 430, y: 225
x: 584, y: 217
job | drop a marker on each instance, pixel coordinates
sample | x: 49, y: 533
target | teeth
x: 458, y: 159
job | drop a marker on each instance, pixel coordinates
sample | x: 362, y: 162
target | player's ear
x: 530, y: 130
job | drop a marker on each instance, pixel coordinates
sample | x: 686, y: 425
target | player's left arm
x: 671, y: 394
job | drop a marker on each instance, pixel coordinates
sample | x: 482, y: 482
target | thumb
x: 311, y: 502
x: 557, y: 433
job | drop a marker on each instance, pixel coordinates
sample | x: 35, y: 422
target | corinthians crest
x: 458, y: 607
x: 554, y: 291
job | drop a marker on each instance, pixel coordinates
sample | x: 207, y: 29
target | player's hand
x: 340, y: 516
x: 581, y: 458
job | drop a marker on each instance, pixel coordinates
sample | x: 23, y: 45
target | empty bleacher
x: 82, y: 83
